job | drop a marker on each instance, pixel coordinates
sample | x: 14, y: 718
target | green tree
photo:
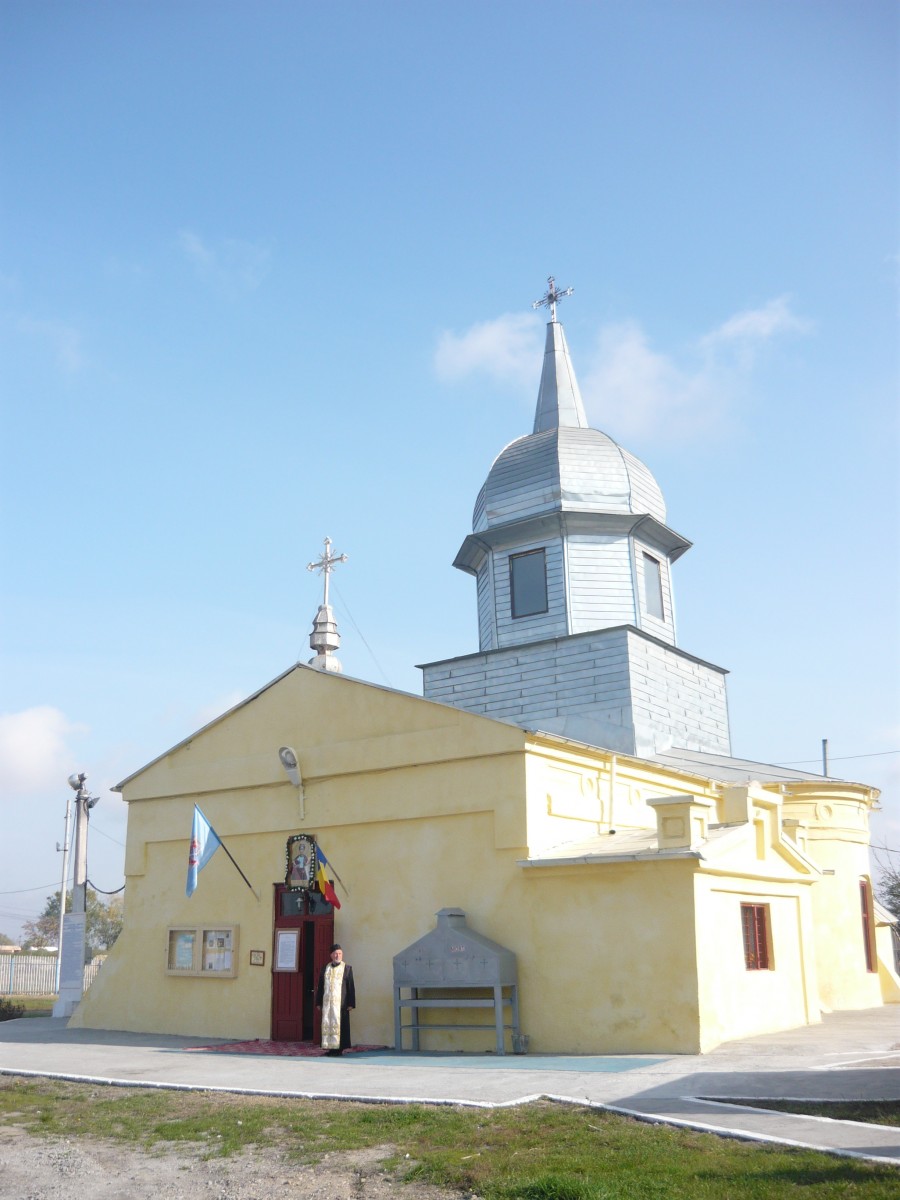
x: 6, y: 941
x: 108, y: 923
x: 889, y: 892
x: 103, y: 923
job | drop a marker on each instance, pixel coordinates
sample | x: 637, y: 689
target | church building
x: 563, y: 802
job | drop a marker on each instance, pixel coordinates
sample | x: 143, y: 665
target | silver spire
x: 325, y: 638
x: 559, y: 402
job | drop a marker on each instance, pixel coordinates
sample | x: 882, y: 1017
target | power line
x: 22, y: 891
x: 799, y: 762
x: 362, y: 636
x: 96, y: 829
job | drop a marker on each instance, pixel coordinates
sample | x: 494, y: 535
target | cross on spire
x: 552, y: 296
x: 325, y: 565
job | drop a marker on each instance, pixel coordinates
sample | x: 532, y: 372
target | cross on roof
x: 552, y: 296
x: 325, y: 565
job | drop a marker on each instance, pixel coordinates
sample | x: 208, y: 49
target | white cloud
x: 634, y: 391
x: 507, y: 349
x: 196, y: 251
x: 234, y: 264
x: 63, y: 340
x: 630, y: 389
x: 35, y: 754
x: 747, y: 331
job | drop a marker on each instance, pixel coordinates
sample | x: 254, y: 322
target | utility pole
x: 62, y: 890
x: 71, y: 950
x: 825, y: 756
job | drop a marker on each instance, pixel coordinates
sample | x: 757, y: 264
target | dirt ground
x: 39, y: 1168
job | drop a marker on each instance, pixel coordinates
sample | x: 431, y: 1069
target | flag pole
x: 332, y: 870
x: 238, y: 869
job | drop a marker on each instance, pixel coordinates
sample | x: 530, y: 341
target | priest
x: 335, y: 996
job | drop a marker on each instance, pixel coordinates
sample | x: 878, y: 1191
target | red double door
x: 295, y: 1017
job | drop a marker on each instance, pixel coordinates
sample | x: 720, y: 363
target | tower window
x: 653, y: 596
x: 528, y: 583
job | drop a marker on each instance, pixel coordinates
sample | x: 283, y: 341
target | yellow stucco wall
x: 737, y: 1002
x: 421, y: 807
x: 381, y: 801
x: 836, y: 817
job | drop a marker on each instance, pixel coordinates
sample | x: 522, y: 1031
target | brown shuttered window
x: 755, y: 924
x: 865, y: 900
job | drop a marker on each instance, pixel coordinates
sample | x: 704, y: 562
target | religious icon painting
x: 301, y: 862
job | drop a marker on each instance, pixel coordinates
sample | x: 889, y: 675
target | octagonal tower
x: 576, y: 616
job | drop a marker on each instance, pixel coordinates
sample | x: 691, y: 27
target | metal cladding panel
x: 453, y: 955
x: 645, y: 492
x: 566, y: 469
x: 559, y: 397
x: 512, y: 630
x: 524, y: 480
x: 617, y: 688
x: 479, y: 521
x: 485, y: 607
x: 601, y: 587
x: 663, y: 628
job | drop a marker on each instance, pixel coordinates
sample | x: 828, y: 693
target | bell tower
x: 572, y: 559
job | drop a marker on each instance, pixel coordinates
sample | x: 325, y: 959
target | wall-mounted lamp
x: 289, y: 762
x: 292, y: 768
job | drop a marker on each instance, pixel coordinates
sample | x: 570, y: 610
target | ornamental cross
x: 552, y: 296
x: 325, y: 565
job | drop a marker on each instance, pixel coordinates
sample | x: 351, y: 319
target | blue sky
x: 266, y: 276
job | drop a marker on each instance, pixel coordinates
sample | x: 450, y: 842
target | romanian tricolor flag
x: 325, y: 887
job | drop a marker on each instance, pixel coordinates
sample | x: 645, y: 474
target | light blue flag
x: 204, y: 843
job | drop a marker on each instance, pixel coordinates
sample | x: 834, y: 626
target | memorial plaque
x: 71, y: 975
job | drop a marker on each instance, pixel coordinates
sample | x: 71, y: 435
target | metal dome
x: 565, y: 469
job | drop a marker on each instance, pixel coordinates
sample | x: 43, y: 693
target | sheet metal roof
x: 732, y: 770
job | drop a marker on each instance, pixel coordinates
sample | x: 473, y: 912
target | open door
x: 304, y: 929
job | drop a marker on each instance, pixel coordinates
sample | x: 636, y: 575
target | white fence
x: 35, y: 974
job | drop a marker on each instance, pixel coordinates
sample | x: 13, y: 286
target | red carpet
x: 285, y: 1049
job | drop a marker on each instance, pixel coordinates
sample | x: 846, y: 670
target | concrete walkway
x: 851, y: 1055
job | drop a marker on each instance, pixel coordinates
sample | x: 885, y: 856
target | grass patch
x: 35, y: 1006
x: 873, y: 1112
x: 541, y: 1151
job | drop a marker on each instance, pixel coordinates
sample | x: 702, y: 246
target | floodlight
x: 289, y: 762
x: 75, y: 782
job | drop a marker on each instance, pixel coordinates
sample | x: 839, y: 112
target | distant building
x: 569, y: 786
